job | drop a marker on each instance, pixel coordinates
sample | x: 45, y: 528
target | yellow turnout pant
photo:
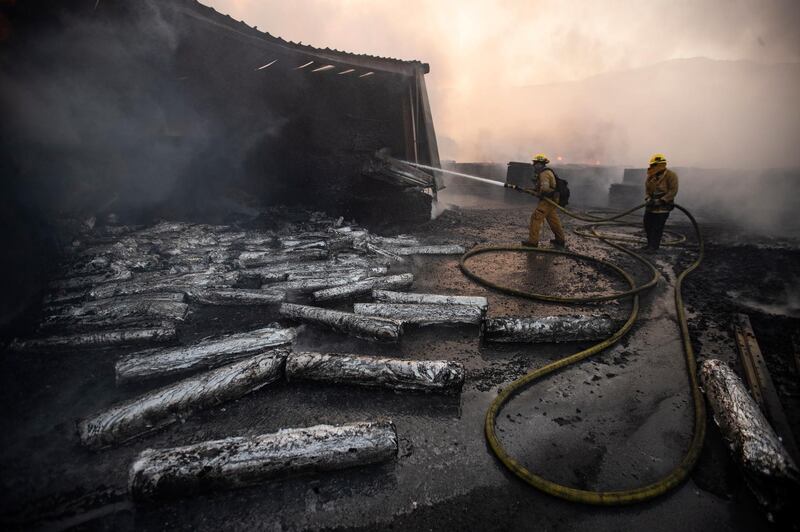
x: 545, y: 211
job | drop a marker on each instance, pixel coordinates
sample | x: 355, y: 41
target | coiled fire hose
x: 681, y: 470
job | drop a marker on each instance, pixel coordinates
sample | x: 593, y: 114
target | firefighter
x: 545, y: 187
x: 661, y: 187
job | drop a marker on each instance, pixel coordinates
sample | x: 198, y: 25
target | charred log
x: 234, y: 296
x: 251, y: 259
x: 366, y: 286
x: 97, y: 339
x: 548, y: 329
x: 388, y: 296
x: 433, y: 376
x: 422, y: 314
x: 164, y: 406
x: 770, y: 471
x: 444, y: 249
x: 204, y: 354
x: 359, y: 326
x: 245, y: 461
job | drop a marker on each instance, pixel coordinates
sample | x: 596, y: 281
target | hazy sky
x: 480, y: 49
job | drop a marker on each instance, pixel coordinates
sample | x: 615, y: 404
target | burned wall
x: 155, y: 110
x: 141, y: 106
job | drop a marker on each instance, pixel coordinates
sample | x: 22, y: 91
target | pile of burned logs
x: 126, y: 286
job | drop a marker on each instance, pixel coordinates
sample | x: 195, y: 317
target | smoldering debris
x: 207, y: 353
x: 165, y: 283
x: 364, y: 327
x: 432, y: 376
x: 769, y: 469
x: 548, y: 329
x: 117, y: 278
x: 166, y: 405
x: 422, y: 314
x: 244, y: 461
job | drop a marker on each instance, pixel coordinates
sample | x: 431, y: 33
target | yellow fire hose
x: 682, y: 470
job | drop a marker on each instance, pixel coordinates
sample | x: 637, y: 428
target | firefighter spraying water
x: 546, y: 190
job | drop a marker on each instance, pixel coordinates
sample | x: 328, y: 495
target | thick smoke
x: 713, y: 84
x: 590, y: 81
x: 103, y: 114
x: 93, y: 114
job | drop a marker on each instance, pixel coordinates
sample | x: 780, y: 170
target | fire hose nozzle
x: 520, y: 189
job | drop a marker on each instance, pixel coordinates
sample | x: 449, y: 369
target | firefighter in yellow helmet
x: 545, y: 187
x: 661, y: 187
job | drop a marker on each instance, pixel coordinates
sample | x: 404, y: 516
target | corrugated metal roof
x: 390, y: 63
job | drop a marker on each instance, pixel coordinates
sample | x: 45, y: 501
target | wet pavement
x: 619, y: 420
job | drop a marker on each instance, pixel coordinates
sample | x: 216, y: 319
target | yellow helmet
x: 658, y: 158
x: 541, y: 158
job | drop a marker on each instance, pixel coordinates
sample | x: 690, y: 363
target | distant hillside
x: 700, y: 112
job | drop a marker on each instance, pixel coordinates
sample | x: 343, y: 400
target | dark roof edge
x: 390, y: 64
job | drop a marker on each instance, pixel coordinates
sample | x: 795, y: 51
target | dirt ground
x: 617, y: 421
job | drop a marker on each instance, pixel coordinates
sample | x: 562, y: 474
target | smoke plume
x: 591, y: 82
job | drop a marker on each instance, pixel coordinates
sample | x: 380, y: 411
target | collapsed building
x: 143, y: 110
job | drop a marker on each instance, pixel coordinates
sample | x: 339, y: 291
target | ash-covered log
x: 280, y: 272
x: 399, y: 240
x: 422, y: 314
x: 300, y: 283
x: 388, y: 296
x: 548, y: 329
x: 204, y: 354
x: 158, y: 282
x: 336, y: 273
x: 112, y: 309
x: 433, y: 376
x: 245, y: 461
x: 235, y: 296
x: 769, y: 469
x: 251, y: 259
x: 117, y: 273
x: 443, y: 249
x: 364, y: 327
x: 104, y: 338
x: 365, y: 286
x: 169, y: 404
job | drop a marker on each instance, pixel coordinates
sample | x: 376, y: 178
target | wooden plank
x: 760, y: 382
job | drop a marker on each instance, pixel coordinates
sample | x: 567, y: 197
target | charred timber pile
x: 121, y: 285
x: 432, y: 376
x: 245, y: 461
x: 155, y: 409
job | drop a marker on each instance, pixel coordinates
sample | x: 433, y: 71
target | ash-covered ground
x: 619, y: 420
